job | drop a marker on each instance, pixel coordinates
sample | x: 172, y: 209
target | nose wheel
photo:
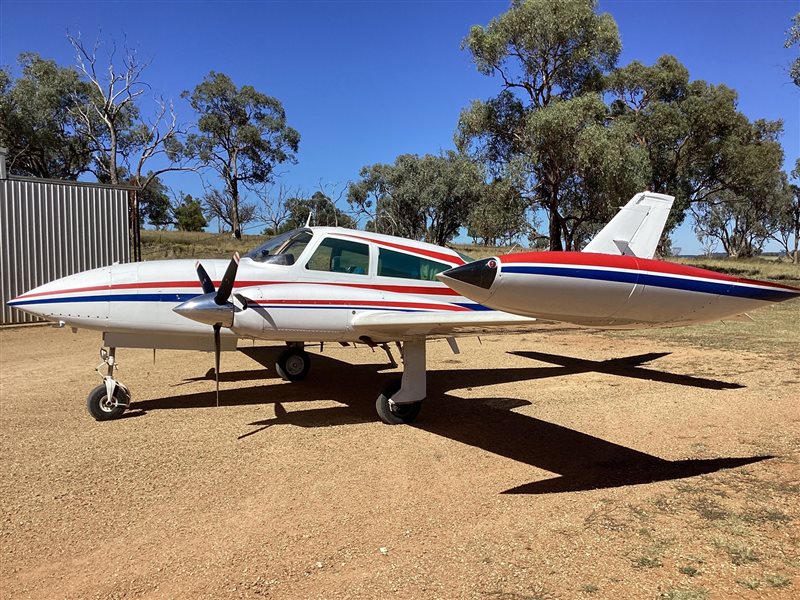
x: 111, y: 398
x: 104, y: 409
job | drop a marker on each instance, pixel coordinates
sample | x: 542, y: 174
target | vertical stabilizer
x: 636, y: 228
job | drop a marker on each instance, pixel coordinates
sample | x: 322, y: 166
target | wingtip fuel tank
x: 604, y: 290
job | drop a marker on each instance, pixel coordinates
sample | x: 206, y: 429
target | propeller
x: 213, y: 307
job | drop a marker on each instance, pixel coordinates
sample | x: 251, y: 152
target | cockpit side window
x: 340, y: 256
x: 408, y: 266
x: 284, y: 249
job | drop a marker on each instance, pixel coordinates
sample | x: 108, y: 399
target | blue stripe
x: 185, y: 297
x: 108, y: 298
x: 332, y: 307
x: 474, y: 306
x: 664, y: 281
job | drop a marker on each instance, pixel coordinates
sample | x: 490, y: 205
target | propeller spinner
x: 213, y: 307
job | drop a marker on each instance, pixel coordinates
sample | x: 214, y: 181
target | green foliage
x: 698, y: 144
x: 155, y: 205
x: 242, y: 135
x: 580, y: 157
x: 741, y: 224
x: 189, y: 215
x: 547, y: 123
x: 322, y: 209
x: 426, y: 197
x: 498, y: 217
x: 792, y: 39
x: 547, y: 49
x: 37, y: 124
x: 787, y: 230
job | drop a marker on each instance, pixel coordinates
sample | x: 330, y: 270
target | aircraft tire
x: 398, y: 414
x: 293, y: 364
x: 98, y: 406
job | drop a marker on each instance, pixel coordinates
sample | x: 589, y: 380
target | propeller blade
x: 243, y: 300
x: 226, y: 285
x: 217, y: 347
x: 205, y: 280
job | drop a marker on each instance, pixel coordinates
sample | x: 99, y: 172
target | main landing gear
x: 111, y: 398
x: 401, y: 400
x: 293, y: 363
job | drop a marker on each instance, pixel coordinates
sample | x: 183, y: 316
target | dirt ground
x: 552, y: 465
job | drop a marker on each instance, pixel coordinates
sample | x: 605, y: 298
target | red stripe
x: 591, y: 259
x: 450, y: 258
x: 118, y: 286
x: 438, y: 290
x: 318, y: 302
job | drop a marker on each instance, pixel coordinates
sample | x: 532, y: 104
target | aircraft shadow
x: 629, y: 366
x: 581, y: 461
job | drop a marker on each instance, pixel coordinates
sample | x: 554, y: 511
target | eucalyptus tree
x: 550, y: 57
x: 741, y: 224
x: 37, y: 124
x: 787, y: 230
x: 321, y: 209
x: 699, y: 146
x: 499, y: 216
x: 420, y: 197
x: 189, y: 215
x: 793, y: 39
x: 242, y: 136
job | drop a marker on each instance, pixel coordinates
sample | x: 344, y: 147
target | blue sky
x: 365, y: 81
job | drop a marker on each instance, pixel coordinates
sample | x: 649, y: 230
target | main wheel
x: 293, y: 364
x: 103, y: 409
x: 396, y: 414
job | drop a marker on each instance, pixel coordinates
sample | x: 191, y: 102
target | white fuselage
x: 303, y: 301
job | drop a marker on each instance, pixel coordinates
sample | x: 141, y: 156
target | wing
x: 385, y: 325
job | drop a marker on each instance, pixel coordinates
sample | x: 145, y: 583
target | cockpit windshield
x: 283, y: 249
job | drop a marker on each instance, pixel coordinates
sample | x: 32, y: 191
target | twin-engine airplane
x: 320, y: 284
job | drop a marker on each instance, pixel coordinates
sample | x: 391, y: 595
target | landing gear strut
x: 401, y: 401
x: 111, y: 398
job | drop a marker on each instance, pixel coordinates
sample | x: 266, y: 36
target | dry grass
x: 774, y: 331
x: 157, y: 245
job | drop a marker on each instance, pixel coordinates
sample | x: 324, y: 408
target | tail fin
x: 636, y: 228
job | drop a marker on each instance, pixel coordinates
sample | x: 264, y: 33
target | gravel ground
x: 550, y: 465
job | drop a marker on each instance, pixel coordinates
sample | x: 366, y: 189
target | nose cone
x: 204, y: 309
x: 473, y: 280
x: 28, y: 302
x: 78, y: 299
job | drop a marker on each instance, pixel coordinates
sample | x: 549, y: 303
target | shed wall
x: 51, y: 229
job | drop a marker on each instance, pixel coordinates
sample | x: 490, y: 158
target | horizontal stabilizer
x: 636, y: 229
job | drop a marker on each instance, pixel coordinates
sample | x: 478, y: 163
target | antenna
x: 308, y: 220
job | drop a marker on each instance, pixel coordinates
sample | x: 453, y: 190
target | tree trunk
x: 235, y: 225
x: 555, y: 224
x: 112, y: 159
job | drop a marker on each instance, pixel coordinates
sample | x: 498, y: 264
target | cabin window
x: 398, y: 264
x: 340, y: 256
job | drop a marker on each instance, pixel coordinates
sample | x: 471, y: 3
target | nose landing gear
x: 111, y: 398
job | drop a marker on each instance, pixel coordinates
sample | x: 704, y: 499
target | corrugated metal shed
x: 51, y: 229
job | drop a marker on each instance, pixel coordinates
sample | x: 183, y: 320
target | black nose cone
x: 480, y: 273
